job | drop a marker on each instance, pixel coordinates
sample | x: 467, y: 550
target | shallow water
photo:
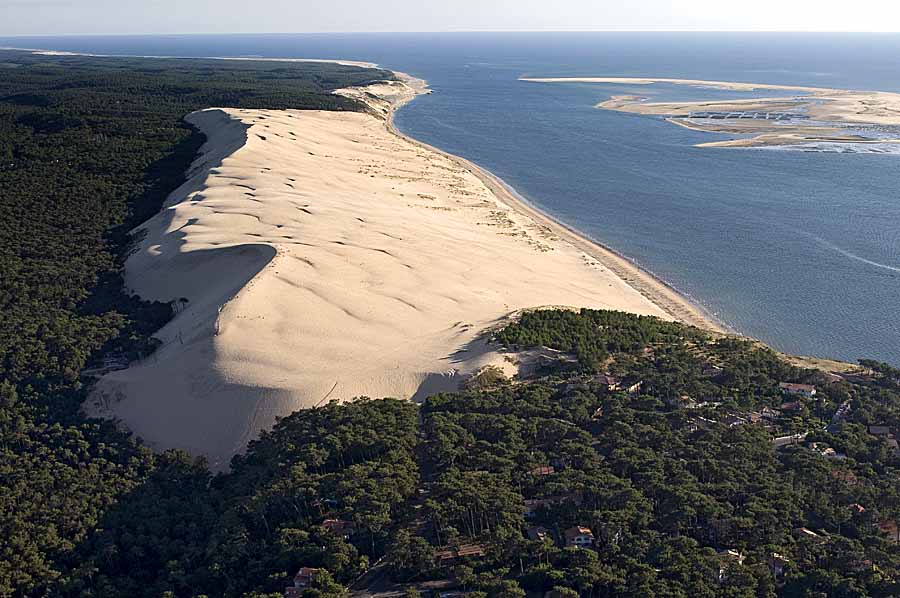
x: 798, y: 248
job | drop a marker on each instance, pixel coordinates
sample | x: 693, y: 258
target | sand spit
x: 318, y: 255
x: 829, y: 111
x: 40, y: 52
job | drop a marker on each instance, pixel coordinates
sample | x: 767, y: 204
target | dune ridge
x: 318, y: 255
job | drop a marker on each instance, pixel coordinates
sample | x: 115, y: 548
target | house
x: 339, y: 527
x: 769, y: 413
x: 841, y: 412
x: 880, y: 430
x: 538, y: 534
x: 635, y: 388
x: 788, y: 440
x: 777, y: 563
x: 830, y: 453
x: 449, y: 556
x: 857, y: 508
x: 805, y: 533
x: 610, y: 383
x: 682, y: 402
x: 803, y: 390
x: 712, y: 371
x: 731, y: 555
x: 894, y: 446
x: 728, y: 558
x: 732, y: 420
x: 579, y: 537
x: 303, y: 579
x: 543, y: 470
x: 791, y: 406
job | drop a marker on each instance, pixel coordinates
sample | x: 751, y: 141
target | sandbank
x: 828, y: 110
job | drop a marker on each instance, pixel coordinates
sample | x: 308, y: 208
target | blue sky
x: 19, y: 17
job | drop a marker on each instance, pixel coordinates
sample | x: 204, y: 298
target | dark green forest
x: 681, y: 463
x: 90, y: 147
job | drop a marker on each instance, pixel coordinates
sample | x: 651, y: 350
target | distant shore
x: 829, y: 111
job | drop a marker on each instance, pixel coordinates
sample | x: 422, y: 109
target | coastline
x: 647, y: 284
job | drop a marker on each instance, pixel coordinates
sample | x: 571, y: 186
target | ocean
x: 800, y: 249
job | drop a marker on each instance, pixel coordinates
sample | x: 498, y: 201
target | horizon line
x: 450, y: 31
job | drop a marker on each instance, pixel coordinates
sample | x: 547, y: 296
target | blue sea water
x: 798, y: 248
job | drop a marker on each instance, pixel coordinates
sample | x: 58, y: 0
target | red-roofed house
x: 303, y: 579
x: 580, y: 537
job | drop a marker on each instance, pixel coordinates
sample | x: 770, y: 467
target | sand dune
x: 324, y: 257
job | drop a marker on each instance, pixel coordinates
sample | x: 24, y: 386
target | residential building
x: 339, y: 527
x: 728, y: 558
x: 538, y: 533
x: 543, y: 470
x: 769, y: 413
x: 610, y: 383
x: 450, y: 555
x: 803, y: 390
x: 303, y: 579
x: 807, y: 534
x: 579, y: 536
x: 635, y: 388
x: 777, y: 564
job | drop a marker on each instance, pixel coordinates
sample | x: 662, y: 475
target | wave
x: 849, y: 254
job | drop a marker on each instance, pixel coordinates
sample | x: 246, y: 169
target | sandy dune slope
x: 323, y: 257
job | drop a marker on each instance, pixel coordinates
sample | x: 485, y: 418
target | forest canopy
x: 635, y: 458
x: 89, y: 148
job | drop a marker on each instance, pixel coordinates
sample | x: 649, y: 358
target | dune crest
x: 321, y: 257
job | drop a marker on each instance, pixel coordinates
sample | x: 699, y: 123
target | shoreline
x: 655, y: 289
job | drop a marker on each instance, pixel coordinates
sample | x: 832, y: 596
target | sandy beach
x: 315, y: 256
x: 829, y: 111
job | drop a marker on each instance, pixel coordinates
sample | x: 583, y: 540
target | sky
x: 23, y: 17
